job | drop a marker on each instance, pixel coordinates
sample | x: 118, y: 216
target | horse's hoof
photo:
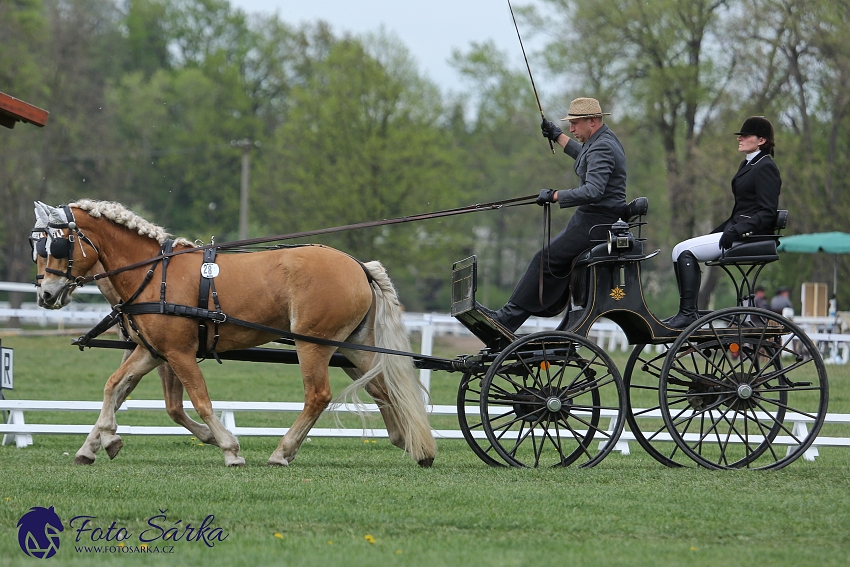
x: 426, y: 463
x: 112, y: 450
x: 83, y: 460
x: 278, y: 462
x: 236, y: 462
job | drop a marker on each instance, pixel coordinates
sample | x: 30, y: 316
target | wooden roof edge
x: 15, y: 110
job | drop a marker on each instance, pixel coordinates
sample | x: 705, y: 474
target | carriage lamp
x: 619, y: 237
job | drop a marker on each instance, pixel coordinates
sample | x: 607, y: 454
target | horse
x: 171, y: 387
x: 312, y: 291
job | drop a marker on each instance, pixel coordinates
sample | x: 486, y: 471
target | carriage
x: 722, y: 393
x: 730, y: 391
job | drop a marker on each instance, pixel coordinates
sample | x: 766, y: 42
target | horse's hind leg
x: 313, y: 360
x: 172, y: 390
x: 186, y: 368
x: 378, y: 392
x: 116, y: 390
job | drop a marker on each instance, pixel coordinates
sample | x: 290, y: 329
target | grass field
x: 362, y: 502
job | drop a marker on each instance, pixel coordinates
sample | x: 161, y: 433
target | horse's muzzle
x: 54, y: 293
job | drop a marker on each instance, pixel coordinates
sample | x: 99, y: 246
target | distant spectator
x: 760, y: 299
x: 781, y: 300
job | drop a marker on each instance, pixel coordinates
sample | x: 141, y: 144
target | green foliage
x: 145, y: 97
x: 147, y: 41
x: 362, y: 141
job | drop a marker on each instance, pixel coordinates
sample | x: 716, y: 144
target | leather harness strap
x: 527, y: 200
x: 207, y: 284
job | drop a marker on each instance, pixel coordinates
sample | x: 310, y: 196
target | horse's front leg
x: 116, y: 390
x: 172, y: 390
x: 186, y: 368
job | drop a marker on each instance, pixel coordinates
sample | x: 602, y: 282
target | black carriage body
x: 721, y: 395
x: 609, y: 285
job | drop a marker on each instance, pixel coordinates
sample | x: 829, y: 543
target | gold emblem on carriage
x: 617, y: 293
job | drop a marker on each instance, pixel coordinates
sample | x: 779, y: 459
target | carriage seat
x: 755, y: 248
x: 600, y: 253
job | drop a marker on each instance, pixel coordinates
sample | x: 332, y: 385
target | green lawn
x: 629, y: 510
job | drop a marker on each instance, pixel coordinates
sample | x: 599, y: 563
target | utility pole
x: 246, y: 144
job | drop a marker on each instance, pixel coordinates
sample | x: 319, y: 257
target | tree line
x: 145, y: 97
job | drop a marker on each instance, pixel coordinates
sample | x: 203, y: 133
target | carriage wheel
x: 469, y: 419
x: 552, y: 399
x: 641, y: 378
x: 743, y: 388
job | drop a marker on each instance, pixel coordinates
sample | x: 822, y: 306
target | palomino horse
x: 171, y: 387
x: 312, y: 291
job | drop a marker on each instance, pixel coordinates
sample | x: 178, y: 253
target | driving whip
x: 527, y: 66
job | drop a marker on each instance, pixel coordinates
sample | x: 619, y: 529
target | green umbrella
x: 830, y: 242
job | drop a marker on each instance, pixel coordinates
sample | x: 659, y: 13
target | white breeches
x: 704, y: 248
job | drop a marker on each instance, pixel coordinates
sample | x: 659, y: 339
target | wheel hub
x: 745, y: 391
x: 532, y: 404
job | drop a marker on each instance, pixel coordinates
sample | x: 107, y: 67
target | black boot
x: 512, y: 316
x: 688, y: 275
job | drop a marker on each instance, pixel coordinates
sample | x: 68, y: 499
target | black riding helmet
x: 761, y: 127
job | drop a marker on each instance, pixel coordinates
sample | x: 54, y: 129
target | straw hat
x: 584, y: 108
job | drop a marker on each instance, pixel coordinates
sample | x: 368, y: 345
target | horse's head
x: 61, y: 252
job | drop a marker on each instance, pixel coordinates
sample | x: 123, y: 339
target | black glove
x: 549, y: 130
x: 545, y: 197
x: 729, y: 236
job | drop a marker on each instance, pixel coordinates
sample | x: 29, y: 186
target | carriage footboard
x: 469, y: 313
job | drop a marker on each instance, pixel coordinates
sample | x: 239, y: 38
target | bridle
x: 52, y: 241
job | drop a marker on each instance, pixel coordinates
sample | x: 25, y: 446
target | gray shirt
x: 779, y: 302
x: 601, y: 166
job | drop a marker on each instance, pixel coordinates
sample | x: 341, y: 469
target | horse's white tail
x: 405, y: 392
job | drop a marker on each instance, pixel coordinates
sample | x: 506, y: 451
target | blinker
x: 60, y: 248
x: 41, y: 247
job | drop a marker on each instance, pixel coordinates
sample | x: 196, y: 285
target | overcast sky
x: 429, y: 28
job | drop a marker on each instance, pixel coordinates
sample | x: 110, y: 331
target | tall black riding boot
x: 688, y: 275
x: 512, y: 316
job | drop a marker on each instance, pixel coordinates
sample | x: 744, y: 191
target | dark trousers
x: 562, y: 251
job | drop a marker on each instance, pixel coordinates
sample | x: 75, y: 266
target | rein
x: 527, y: 200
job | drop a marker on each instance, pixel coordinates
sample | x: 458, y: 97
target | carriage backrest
x: 781, y: 220
x: 636, y: 209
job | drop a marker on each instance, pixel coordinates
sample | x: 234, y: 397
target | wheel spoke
x: 779, y: 404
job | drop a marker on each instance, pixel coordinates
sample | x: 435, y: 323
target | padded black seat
x: 748, y: 253
x: 600, y: 252
x: 754, y: 249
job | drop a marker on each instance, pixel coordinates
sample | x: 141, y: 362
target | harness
x: 61, y: 248
x: 50, y: 241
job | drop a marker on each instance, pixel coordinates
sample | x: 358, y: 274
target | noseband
x: 52, y: 242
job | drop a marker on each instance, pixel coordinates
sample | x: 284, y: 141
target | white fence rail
x: 834, y: 346
x: 19, y: 432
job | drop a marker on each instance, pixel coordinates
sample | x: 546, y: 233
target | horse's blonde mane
x: 119, y: 214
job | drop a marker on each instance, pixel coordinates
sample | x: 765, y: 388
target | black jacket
x: 756, y: 190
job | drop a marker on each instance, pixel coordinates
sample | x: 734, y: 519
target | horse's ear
x: 42, y: 216
x: 57, y: 215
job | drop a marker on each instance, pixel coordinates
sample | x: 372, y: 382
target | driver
x: 600, y: 198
